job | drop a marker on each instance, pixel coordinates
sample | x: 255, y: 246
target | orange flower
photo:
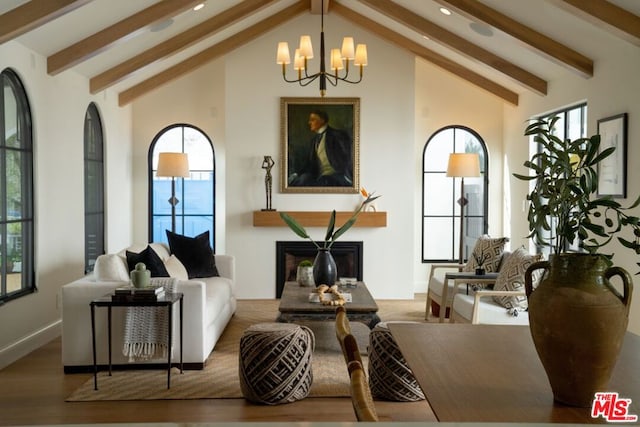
x: 364, y: 192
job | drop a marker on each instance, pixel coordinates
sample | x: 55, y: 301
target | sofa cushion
x: 489, y: 250
x: 110, y: 268
x: 489, y: 312
x: 511, y: 278
x: 487, y: 253
x: 150, y: 259
x: 175, y: 268
x: 195, y: 254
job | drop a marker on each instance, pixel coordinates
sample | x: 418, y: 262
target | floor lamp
x: 463, y: 165
x: 173, y: 165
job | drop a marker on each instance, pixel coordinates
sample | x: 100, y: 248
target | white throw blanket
x: 146, y: 329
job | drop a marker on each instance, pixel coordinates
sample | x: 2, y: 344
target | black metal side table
x: 167, y: 300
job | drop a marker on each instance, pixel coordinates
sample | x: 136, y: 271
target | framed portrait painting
x: 320, y: 151
x: 612, y: 171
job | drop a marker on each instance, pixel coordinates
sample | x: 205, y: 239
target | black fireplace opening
x: 348, y: 257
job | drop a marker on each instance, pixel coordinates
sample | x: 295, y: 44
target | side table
x: 167, y: 300
x: 460, y: 278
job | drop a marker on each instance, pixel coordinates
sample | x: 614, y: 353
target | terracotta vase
x: 324, y: 268
x: 577, y: 321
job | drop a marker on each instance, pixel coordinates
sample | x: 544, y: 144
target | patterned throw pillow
x: 511, y: 278
x: 490, y: 251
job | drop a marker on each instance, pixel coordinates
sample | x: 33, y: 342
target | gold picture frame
x: 320, y: 162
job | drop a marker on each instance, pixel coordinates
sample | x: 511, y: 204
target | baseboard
x: 84, y: 369
x: 31, y: 342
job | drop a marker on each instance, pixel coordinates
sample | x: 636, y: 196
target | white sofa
x: 209, y: 304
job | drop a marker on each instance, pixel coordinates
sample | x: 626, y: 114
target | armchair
x: 489, y: 249
x: 506, y: 303
x: 479, y: 308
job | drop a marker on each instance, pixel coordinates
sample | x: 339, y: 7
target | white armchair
x: 505, y: 304
x: 479, y: 307
x: 436, y: 285
x: 489, y: 250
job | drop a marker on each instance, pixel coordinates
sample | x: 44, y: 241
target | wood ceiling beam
x: 427, y: 54
x: 176, y: 44
x: 33, y: 14
x: 548, y: 47
x: 212, y: 52
x: 119, y: 32
x: 619, y: 22
x: 457, y: 43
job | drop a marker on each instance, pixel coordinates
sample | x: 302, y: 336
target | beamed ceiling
x: 505, y: 47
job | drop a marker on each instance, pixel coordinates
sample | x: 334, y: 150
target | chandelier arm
x: 333, y: 76
x: 310, y: 79
x: 303, y: 81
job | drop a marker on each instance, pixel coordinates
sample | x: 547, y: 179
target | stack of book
x: 130, y: 293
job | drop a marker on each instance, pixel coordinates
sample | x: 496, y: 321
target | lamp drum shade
x: 463, y: 165
x: 173, y: 165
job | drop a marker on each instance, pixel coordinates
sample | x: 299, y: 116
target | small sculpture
x: 267, y: 164
x: 140, y: 277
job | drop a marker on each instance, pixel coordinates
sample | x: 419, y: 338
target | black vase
x: 324, y: 268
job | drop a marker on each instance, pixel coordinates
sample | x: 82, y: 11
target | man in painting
x: 328, y: 163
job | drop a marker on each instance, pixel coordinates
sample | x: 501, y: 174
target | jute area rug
x: 219, y: 378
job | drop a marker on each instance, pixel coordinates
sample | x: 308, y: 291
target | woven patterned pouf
x: 275, y: 363
x: 389, y: 375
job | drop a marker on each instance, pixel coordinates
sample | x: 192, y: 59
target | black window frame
x: 455, y: 185
x: 94, y: 201
x: 180, y: 215
x: 564, y: 112
x: 25, y: 217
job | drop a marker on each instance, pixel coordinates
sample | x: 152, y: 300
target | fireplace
x: 348, y: 257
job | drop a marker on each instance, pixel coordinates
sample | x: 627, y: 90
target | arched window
x: 440, y: 195
x: 17, y: 276
x: 93, y: 187
x: 195, y: 211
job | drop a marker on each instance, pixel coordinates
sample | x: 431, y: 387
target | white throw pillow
x: 175, y: 268
x: 110, y: 268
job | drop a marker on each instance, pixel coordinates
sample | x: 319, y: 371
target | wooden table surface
x: 492, y: 373
x: 295, y: 305
x: 295, y: 298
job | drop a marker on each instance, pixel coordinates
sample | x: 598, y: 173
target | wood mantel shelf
x: 318, y: 219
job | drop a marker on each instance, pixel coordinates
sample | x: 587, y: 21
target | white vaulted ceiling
x: 130, y: 48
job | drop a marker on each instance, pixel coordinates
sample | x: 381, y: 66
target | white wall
x: 613, y: 90
x: 58, y: 106
x: 196, y: 99
x: 399, y: 111
x: 443, y: 99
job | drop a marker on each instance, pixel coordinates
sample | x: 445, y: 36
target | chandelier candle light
x: 173, y: 165
x: 305, y: 52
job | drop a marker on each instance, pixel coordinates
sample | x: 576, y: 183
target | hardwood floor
x: 33, y: 389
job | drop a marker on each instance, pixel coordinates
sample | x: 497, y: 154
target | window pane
x: 194, y: 212
x: 14, y: 185
x: 441, y: 195
x: 438, y: 241
x: 10, y: 117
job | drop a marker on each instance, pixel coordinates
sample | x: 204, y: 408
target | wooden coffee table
x: 295, y: 305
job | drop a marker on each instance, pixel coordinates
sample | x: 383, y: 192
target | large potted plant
x: 324, y: 266
x: 577, y: 317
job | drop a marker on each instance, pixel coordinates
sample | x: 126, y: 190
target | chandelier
x: 305, y: 52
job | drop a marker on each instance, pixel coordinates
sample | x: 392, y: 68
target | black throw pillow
x: 194, y: 253
x: 150, y: 258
